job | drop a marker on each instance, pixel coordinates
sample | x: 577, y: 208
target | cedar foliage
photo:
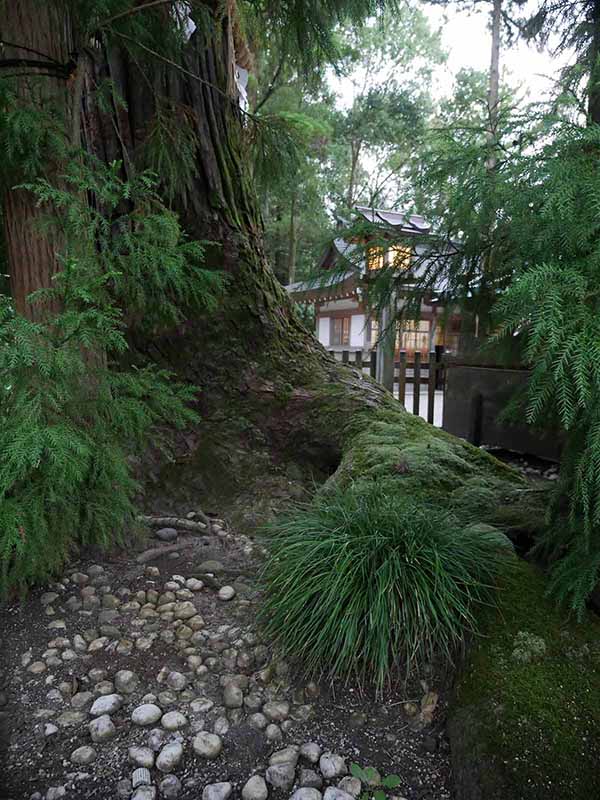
x: 73, y: 412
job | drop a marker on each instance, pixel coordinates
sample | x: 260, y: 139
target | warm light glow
x: 375, y: 258
x: 399, y: 256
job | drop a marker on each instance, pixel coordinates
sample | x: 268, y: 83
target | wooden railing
x: 419, y: 372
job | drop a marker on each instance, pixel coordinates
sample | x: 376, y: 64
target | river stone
x: 82, y: 700
x: 106, y: 704
x: 98, y: 644
x: 48, y: 598
x: 221, y: 726
x: 185, y: 610
x: 102, y: 729
x: 281, y: 776
x: 146, y: 714
x: 289, y: 755
x: 177, y: 681
x: 332, y: 766
x: 201, y: 705
x: 311, y: 751
x: 276, y: 711
x: 310, y: 779
x: 169, y: 757
x: 110, y: 602
x: 306, y: 793
x: 217, y: 791
x: 170, y: 787
x: 173, y: 720
x: 105, y: 688
x: 255, y: 789
x: 333, y: 793
x: 166, y: 534
x: 351, y: 785
x: 141, y: 756
x: 258, y: 721
x: 194, y: 584
x: 168, y: 698
x: 233, y: 697
x: 126, y: 681
x: 226, y: 593
x: 56, y: 793
x: 207, y: 745
x: 210, y: 567
x: 83, y: 755
x: 156, y: 739
x: 273, y: 733
x: 69, y: 718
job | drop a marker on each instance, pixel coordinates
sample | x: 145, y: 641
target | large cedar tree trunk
x: 43, y: 36
x: 272, y: 399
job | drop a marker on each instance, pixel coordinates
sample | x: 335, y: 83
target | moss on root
x: 528, y: 728
x: 390, y: 444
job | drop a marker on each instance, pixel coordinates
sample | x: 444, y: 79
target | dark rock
x: 166, y: 534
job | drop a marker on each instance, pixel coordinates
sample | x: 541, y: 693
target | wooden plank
x: 431, y: 381
x: 402, y: 377
x: 417, y: 383
x: 373, y: 367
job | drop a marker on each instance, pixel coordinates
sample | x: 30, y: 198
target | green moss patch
x: 525, y: 721
x: 390, y: 444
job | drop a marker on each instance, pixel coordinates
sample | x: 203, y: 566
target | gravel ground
x: 146, y: 681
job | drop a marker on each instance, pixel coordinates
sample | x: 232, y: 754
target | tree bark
x: 43, y: 34
x: 354, y: 156
x: 494, y: 83
x: 594, y: 81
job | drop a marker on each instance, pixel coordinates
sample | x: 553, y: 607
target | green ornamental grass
x: 369, y: 584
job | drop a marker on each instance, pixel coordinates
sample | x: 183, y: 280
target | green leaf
x: 371, y: 774
x: 391, y: 781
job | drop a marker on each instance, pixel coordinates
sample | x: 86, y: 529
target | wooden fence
x: 420, y: 372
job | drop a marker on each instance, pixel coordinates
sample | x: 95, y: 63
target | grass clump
x: 368, y: 584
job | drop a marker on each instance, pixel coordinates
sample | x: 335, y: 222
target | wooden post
x: 345, y: 356
x: 373, y: 364
x: 439, y: 357
x: 417, y: 383
x: 385, y: 348
x: 431, y: 383
x: 476, y: 419
x: 358, y: 361
x: 402, y: 377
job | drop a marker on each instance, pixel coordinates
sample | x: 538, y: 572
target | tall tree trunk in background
x: 477, y: 323
x: 494, y: 82
x: 354, y: 156
x: 293, y: 238
x: 594, y: 82
x: 44, y: 36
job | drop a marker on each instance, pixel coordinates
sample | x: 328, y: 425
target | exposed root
x: 175, y: 522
